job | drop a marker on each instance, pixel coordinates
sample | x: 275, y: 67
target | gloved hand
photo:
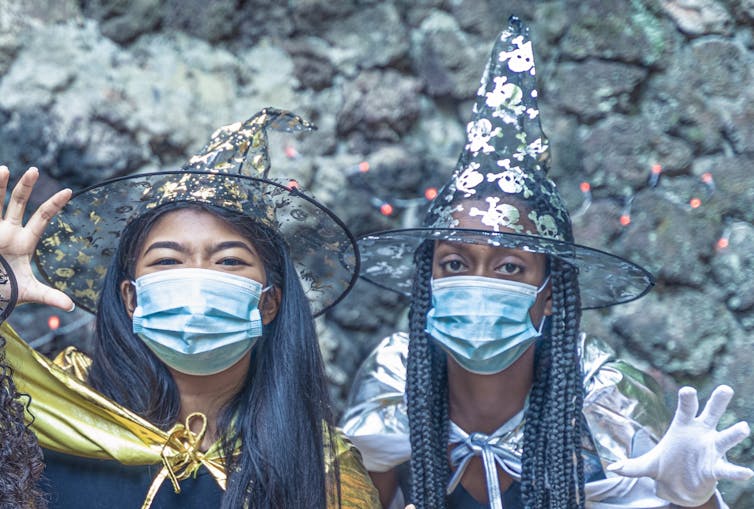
x: 689, y: 460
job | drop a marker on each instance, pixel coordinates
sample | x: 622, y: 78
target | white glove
x: 689, y: 460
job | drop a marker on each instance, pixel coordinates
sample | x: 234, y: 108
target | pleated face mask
x: 483, y: 322
x: 197, y: 321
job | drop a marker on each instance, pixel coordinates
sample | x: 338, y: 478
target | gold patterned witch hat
x: 229, y: 172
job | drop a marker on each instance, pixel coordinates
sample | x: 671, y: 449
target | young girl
x: 206, y: 369
x: 493, y: 398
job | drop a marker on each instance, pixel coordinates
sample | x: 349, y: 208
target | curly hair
x: 21, y: 462
x: 553, y: 471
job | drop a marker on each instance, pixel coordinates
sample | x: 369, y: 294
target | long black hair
x: 281, y: 416
x: 21, y: 463
x: 553, y: 471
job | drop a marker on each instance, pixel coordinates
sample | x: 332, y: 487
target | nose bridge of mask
x: 482, y: 296
x: 199, y: 290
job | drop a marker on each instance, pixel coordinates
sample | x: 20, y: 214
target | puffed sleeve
x: 626, y: 417
x: 376, y: 420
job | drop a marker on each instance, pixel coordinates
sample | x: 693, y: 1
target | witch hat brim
x: 604, y: 279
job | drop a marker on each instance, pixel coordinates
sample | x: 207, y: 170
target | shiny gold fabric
x: 70, y: 417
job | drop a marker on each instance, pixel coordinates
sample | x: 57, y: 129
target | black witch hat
x: 500, y: 187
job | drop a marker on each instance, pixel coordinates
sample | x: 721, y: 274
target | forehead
x: 487, y: 251
x: 193, y: 224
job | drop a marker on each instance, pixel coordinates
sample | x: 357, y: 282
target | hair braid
x: 553, y: 473
x: 573, y: 323
x: 426, y: 392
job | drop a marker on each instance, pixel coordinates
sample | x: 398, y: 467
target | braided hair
x: 553, y: 472
x: 21, y: 463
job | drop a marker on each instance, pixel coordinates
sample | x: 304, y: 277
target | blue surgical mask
x: 483, y: 322
x: 197, y: 321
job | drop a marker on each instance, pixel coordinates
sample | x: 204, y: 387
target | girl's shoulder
x: 356, y: 488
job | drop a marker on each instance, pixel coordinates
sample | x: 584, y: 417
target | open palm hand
x: 18, y: 241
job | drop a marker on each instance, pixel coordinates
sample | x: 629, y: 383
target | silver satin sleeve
x: 376, y: 418
x: 623, y: 409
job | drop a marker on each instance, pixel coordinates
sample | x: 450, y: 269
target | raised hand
x: 18, y: 241
x: 689, y: 460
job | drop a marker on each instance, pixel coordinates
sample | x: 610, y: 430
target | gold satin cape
x: 70, y: 417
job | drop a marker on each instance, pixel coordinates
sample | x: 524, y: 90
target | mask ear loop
x: 542, y: 287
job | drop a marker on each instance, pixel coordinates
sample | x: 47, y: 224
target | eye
x: 510, y: 269
x: 165, y: 261
x: 453, y: 266
x: 231, y: 262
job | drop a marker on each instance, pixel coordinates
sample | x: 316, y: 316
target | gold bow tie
x: 182, y: 458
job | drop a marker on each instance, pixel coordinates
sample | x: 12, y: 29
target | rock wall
x: 647, y: 101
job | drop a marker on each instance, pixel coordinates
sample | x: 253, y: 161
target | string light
x: 654, y: 175
x: 625, y: 217
x: 586, y: 192
x: 386, y: 209
x: 291, y: 152
x: 58, y: 330
x: 708, y: 182
x: 53, y: 322
x: 388, y: 206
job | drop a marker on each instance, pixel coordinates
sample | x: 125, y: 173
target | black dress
x: 71, y: 482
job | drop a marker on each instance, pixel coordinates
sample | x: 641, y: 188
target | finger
x: 716, y: 405
x: 687, y: 406
x: 58, y: 299
x: 643, y: 466
x: 41, y: 218
x: 20, y: 196
x: 731, y: 437
x: 4, y: 178
x: 731, y: 472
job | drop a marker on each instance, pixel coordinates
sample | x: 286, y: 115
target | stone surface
x: 355, y: 48
x: 624, y: 148
x: 698, y: 17
x: 695, y: 329
x: 592, y: 89
x: 379, y: 106
x: 445, y: 58
x: 616, y: 30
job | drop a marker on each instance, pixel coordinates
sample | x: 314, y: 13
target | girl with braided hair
x: 493, y: 398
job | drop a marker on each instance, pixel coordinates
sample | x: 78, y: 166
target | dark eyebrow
x: 230, y: 244
x: 166, y: 244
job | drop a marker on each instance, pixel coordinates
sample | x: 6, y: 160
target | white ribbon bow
x: 493, y: 449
